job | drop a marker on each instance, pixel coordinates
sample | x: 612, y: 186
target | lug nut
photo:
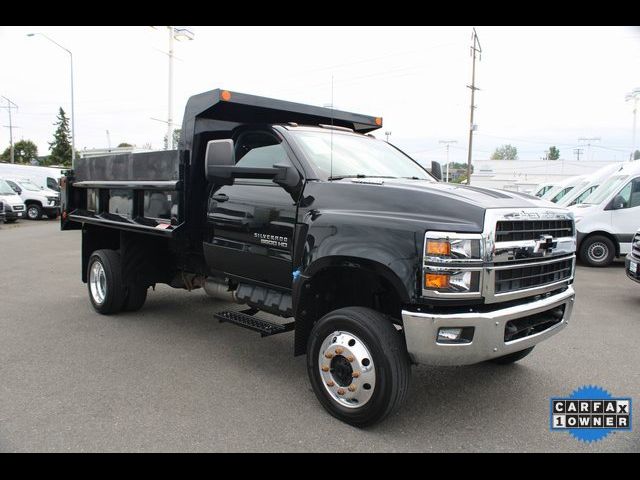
x: 325, y: 368
x: 330, y: 383
x: 350, y: 358
x: 352, y: 388
x: 328, y: 355
x: 355, y: 374
x: 339, y: 350
x: 341, y: 391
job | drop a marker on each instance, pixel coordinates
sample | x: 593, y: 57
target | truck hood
x: 11, y: 199
x: 442, y: 206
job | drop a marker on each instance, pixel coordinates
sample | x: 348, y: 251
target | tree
x: 124, y: 144
x: 175, y: 138
x: 61, y: 145
x: 636, y: 155
x: 24, y: 151
x: 553, y: 153
x: 505, y: 152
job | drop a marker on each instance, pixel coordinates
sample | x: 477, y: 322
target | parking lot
x: 171, y: 378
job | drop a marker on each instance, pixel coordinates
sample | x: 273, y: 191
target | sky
x: 539, y: 86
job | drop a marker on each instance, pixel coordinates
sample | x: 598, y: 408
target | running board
x: 263, y: 327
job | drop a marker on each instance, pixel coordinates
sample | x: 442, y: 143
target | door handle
x: 220, y: 197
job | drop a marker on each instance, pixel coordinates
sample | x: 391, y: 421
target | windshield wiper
x: 358, y: 175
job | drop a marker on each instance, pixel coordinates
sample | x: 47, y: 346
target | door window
x: 259, y: 149
x: 629, y: 196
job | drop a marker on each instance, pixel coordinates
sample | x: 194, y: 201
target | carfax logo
x: 590, y: 413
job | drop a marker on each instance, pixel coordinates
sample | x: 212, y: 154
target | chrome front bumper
x: 421, y: 330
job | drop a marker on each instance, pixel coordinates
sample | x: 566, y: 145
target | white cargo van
x: 563, y: 188
x: 44, y: 177
x: 608, y: 218
x: 589, y: 185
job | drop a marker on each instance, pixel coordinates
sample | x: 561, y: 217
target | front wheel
x: 34, y: 212
x: 358, y: 365
x: 597, y: 251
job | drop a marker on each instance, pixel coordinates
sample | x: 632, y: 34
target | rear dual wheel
x: 107, y: 292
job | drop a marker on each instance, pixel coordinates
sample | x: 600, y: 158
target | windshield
x: 5, y: 189
x: 27, y: 185
x: 606, y: 189
x: 561, y: 194
x: 340, y: 155
x: 581, y: 198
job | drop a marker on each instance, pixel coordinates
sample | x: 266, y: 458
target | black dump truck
x: 298, y: 211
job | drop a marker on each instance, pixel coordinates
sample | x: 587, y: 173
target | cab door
x: 625, y: 214
x: 251, y: 224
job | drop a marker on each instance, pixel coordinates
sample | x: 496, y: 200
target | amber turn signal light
x: 438, y: 247
x: 436, y: 281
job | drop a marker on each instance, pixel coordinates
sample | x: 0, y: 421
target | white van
x: 38, y: 200
x: 591, y: 183
x: 13, y: 206
x: 608, y: 218
x: 558, y: 192
x: 44, y: 177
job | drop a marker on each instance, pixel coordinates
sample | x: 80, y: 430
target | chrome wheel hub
x: 346, y: 369
x: 98, y: 282
x: 33, y: 213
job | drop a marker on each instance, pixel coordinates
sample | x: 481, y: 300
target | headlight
x: 440, y: 247
x: 452, y: 265
x: 452, y: 281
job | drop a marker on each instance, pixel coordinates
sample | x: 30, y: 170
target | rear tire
x: 52, y: 216
x: 104, y: 282
x: 371, y: 379
x: 512, y: 357
x: 135, y: 298
x: 597, y: 251
x: 34, y: 211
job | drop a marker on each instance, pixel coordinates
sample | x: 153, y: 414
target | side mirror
x: 436, y: 170
x: 618, y: 202
x: 287, y: 176
x: 219, y: 157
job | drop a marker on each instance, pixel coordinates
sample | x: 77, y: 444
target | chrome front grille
x: 517, y: 230
x: 532, y: 275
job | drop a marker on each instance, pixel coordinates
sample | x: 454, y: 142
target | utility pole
x: 589, y: 140
x: 388, y: 134
x: 634, y: 96
x: 447, y: 143
x: 9, y: 106
x: 475, y: 49
x: 578, y: 152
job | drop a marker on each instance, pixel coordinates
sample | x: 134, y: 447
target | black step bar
x: 264, y: 327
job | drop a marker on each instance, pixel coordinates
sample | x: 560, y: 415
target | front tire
x: 34, y: 212
x: 597, y: 251
x: 104, y: 282
x: 358, y: 365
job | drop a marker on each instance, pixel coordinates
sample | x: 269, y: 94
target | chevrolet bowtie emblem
x: 545, y: 244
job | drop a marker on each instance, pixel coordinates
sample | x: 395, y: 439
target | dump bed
x: 134, y: 191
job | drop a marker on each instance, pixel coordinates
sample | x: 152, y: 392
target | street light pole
x: 73, y: 112
x: 170, y: 103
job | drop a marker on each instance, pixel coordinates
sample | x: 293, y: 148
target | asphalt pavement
x: 172, y: 378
